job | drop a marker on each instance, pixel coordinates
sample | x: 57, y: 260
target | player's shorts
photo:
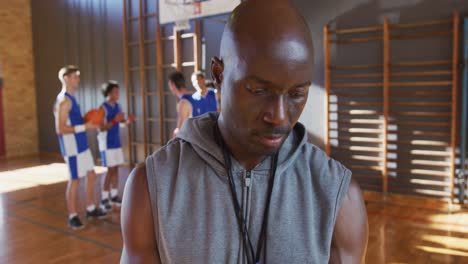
x: 112, y: 157
x: 80, y: 165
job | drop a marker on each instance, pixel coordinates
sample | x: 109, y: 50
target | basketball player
x: 110, y: 147
x: 179, y: 90
x: 191, y: 105
x: 71, y: 132
x: 206, y: 96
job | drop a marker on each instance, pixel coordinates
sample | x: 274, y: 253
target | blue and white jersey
x: 110, y: 139
x: 200, y: 104
x: 74, y: 143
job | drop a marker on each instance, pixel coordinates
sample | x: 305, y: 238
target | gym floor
x: 33, y: 223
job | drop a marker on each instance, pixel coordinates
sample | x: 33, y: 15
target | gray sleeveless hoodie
x: 194, y: 218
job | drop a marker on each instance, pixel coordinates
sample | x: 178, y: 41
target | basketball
x: 95, y: 116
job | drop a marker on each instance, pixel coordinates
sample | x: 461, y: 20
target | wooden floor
x: 33, y: 224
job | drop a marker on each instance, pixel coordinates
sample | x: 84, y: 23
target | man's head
x: 69, y: 76
x: 265, y: 71
x: 111, y: 90
x: 198, y: 81
x: 176, y: 82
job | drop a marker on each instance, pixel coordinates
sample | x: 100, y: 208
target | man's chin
x: 271, y: 143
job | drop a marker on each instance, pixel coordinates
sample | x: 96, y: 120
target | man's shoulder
x: 185, y: 101
x: 168, y: 152
x: 314, y: 152
x: 187, y: 96
x: 62, y: 95
x: 63, y: 100
x: 165, y: 164
x: 326, y: 172
x: 320, y: 161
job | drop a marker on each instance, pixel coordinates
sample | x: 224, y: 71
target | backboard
x: 179, y: 10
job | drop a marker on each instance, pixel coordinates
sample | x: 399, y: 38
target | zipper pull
x: 247, y: 179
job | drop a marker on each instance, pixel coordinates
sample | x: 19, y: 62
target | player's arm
x: 63, y: 114
x: 350, y: 235
x: 137, y: 221
x: 184, y: 109
x: 106, y: 125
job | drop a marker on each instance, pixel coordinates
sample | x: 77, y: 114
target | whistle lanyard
x: 252, y: 258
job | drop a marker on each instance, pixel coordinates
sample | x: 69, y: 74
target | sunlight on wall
x: 454, y: 243
x: 444, y: 251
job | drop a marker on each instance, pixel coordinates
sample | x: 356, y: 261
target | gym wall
x: 19, y: 93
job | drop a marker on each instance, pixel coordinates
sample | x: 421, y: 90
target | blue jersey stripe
x: 73, y: 167
x: 81, y: 141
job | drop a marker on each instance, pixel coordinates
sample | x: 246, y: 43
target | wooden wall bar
x: 386, y: 94
x: 126, y: 74
x: 411, y: 140
x: 456, y: 23
x: 355, y: 127
x: 327, y: 88
x: 143, y: 86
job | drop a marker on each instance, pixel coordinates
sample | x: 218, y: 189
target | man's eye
x: 298, y: 92
x: 256, y: 90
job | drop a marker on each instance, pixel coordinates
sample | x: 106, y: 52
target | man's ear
x: 217, y: 68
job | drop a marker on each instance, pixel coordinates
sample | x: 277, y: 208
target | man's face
x: 198, y: 83
x: 114, y: 94
x: 72, y: 80
x: 201, y: 82
x: 264, y: 96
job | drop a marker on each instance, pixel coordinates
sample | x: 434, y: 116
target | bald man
x: 244, y: 186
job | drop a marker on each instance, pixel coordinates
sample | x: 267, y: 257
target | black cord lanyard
x: 251, y: 256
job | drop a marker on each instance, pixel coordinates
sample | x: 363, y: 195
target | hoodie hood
x: 199, y: 132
